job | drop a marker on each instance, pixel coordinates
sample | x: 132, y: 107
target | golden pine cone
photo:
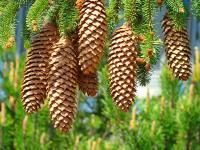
x: 62, y: 84
x: 35, y: 74
x: 177, y: 48
x: 122, y: 67
x: 92, y: 34
x: 88, y: 83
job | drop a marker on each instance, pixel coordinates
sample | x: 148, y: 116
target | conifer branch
x: 174, y: 5
x: 35, y: 13
x: 177, y: 12
x: 7, y: 25
x: 68, y: 16
x: 113, y: 14
x: 51, y: 12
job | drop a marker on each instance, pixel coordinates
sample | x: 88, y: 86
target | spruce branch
x: 35, y: 13
x: 179, y: 19
x: 68, y: 16
x: 133, y: 13
x: 51, y: 12
x: 174, y: 5
x: 143, y: 77
x: 112, y: 12
x: 7, y: 25
x: 177, y: 12
x: 149, y: 47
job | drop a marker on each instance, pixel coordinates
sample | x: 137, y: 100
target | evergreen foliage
x: 68, y: 16
x: 35, y: 13
x: 113, y: 11
x: 7, y: 25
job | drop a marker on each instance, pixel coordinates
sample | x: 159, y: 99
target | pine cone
x: 62, y: 85
x: 88, y: 83
x: 122, y: 67
x: 35, y: 74
x: 177, y: 48
x: 92, y: 34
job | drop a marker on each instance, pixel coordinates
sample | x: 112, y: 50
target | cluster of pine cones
x: 56, y: 66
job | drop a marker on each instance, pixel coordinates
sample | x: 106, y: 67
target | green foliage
x: 113, y: 10
x: 130, y: 10
x: 143, y: 75
x: 113, y: 14
x: 174, y: 5
x: 196, y: 8
x: 178, y: 13
x: 68, y: 16
x: 35, y: 13
x: 179, y: 20
x: 51, y: 12
x: 7, y: 25
x: 171, y: 87
x: 187, y: 120
x: 3, y: 5
x: 133, y: 14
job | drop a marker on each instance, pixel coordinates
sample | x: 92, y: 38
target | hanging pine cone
x: 92, y: 34
x: 62, y: 84
x: 177, y: 48
x: 88, y: 83
x: 122, y: 67
x: 35, y: 74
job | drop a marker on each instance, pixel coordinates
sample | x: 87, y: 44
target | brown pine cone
x: 122, y: 67
x: 92, y: 34
x: 88, y: 83
x: 35, y: 74
x: 62, y: 85
x: 177, y: 48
